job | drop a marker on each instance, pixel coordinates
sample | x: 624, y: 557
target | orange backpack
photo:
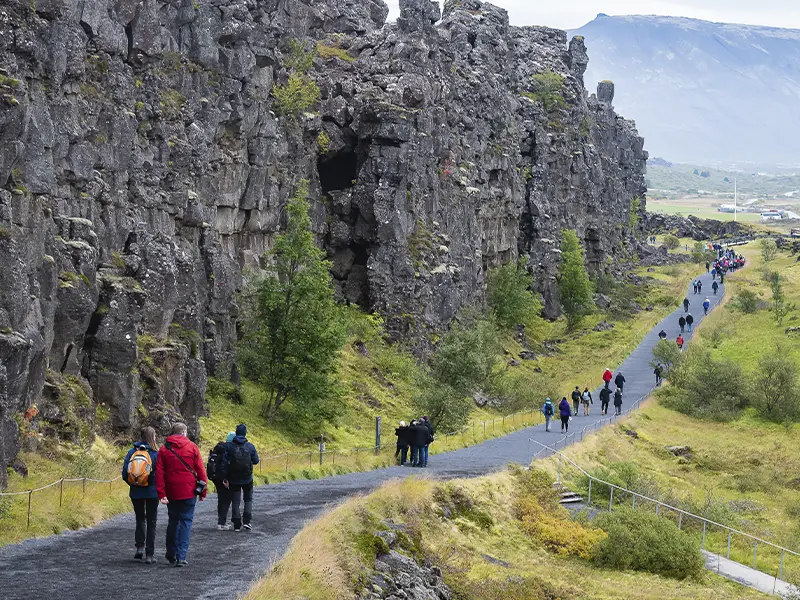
x: 140, y: 466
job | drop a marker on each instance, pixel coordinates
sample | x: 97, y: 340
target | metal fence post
x: 484, y: 429
x: 61, y: 494
x: 84, y: 486
x: 657, y: 507
x: 780, y: 576
x: 611, y: 499
x: 755, y: 553
x: 680, y: 519
x: 729, y: 544
x: 589, y: 499
x: 559, y: 468
x: 703, y: 545
x: 377, y: 436
x: 287, y: 462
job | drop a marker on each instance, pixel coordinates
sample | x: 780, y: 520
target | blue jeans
x: 423, y: 455
x: 415, y: 455
x: 181, y: 514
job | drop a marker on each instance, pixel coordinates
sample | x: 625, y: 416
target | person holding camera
x: 180, y: 480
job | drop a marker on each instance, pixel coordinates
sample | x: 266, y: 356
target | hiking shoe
x: 237, y: 528
x: 170, y: 559
x: 181, y: 563
x: 139, y: 554
x: 248, y: 526
x: 149, y: 560
x: 224, y: 527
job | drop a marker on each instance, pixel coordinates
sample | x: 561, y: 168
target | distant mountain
x: 700, y: 91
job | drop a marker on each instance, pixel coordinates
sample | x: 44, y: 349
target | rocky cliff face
x: 144, y: 163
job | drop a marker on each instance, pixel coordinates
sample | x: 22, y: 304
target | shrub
x: 635, y: 215
x: 547, y: 88
x: 780, y: 306
x: 768, y: 249
x: 448, y: 410
x: 298, y: 58
x: 746, y: 301
x: 643, y: 541
x: 775, y: 390
x: 509, y: 295
x: 298, y: 95
x: 671, y: 242
x: 327, y: 52
x: 667, y: 354
x: 701, y: 254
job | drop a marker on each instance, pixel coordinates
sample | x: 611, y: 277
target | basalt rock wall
x: 144, y: 164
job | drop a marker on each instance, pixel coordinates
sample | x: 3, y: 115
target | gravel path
x: 96, y: 563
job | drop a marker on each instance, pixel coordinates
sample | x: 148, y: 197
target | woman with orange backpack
x: 139, y: 472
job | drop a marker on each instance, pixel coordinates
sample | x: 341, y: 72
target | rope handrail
x: 58, y: 481
x: 664, y: 504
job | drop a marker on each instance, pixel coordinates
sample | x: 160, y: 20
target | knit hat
x: 241, y: 429
x: 230, y: 436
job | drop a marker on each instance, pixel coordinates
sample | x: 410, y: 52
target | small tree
x: 448, y: 410
x: 666, y: 354
x: 635, y: 216
x: 701, y: 254
x: 671, y: 242
x: 775, y: 389
x: 294, y: 328
x: 746, y: 301
x: 768, y: 249
x: 780, y: 306
x: 509, y: 294
x: 574, y: 286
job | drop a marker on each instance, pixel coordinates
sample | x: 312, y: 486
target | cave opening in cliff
x: 338, y: 172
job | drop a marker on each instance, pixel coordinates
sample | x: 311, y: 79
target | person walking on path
x: 237, y: 473
x: 605, y: 398
x: 402, y: 434
x: 686, y: 305
x: 214, y: 473
x: 708, y: 267
x: 607, y: 376
x: 619, y: 381
x: 722, y: 278
x: 428, y: 441
x: 715, y: 287
x: 565, y: 412
x: 699, y: 287
x: 689, y: 321
x: 694, y: 286
x: 576, y: 400
x: 618, y: 402
x: 680, y: 342
x: 586, y: 400
x: 180, y: 478
x: 662, y: 335
x: 419, y: 438
x: 657, y: 372
x: 138, y: 471
x: 706, y: 306
x: 548, y: 410
x: 682, y: 322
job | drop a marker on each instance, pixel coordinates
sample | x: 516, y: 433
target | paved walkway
x: 748, y: 576
x: 96, y: 563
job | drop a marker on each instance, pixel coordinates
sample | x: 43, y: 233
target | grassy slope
x: 327, y: 561
x: 382, y: 382
x: 744, y: 473
x: 681, y: 178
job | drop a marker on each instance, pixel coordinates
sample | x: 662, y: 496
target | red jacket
x: 607, y: 376
x: 173, y: 479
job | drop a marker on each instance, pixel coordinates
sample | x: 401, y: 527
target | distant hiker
x: 548, y: 410
x: 576, y: 400
x: 619, y: 381
x: 679, y: 340
x: 686, y: 305
x: 403, y: 437
x: 180, y: 479
x: 419, y: 438
x: 714, y: 274
x: 662, y: 335
x: 565, y: 412
x: 722, y: 278
x: 428, y: 442
x: 715, y: 287
x: 618, y: 401
x: 708, y: 267
x: 689, y: 321
x: 699, y: 287
x: 706, y: 305
x: 607, y: 376
x: 586, y: 400
x: 682, y: 322
x: 657, y: 372
x: 237, y: 473
x: 605, y: 398
x: 138, y: 471
x: 214, y: 474
x: 694, y: 286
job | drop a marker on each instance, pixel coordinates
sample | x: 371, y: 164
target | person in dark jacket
x: 618, y: 401
x: 686, y: 305
x: 619, y: 381
x: 715, y: 287
x: 576, y: 400
x: 223, y: 492
x: 689, y: 322
x: 237, y: 474
x: 605, y: 398
x: 402, y: 433
x: 662, y: 335
x: 419, y: 438
x: 176, y: 483
x: 144, y: 498
x: 429, y: 426
x: 565, y: 411
x: 657, y: 372
x: 682, y: 323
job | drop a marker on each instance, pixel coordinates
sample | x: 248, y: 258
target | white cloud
x: 575, y: 13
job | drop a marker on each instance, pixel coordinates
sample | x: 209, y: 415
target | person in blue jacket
x: 143, y: 497
x: 565, y: 411
x: 237, y: 474
x: 706, y: 305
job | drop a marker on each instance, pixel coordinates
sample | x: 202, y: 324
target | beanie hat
x: 241, y: 429
x: 230, y: 436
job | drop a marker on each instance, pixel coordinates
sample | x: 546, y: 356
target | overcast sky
x: 571, y: 14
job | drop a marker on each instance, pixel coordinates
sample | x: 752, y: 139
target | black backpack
x: 240, y: 463
x: 213, y: 469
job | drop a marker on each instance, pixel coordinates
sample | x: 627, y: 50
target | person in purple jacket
x: 565, y: 410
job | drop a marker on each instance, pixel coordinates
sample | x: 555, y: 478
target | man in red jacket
x: 178, y: 468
